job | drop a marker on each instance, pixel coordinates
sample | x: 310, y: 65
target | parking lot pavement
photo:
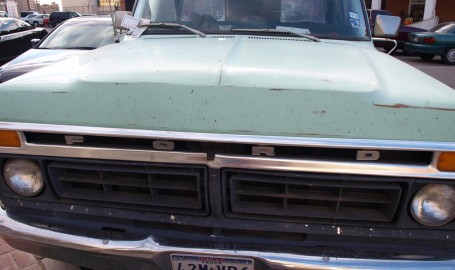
x: 12, y: 259
x: 435, y: 68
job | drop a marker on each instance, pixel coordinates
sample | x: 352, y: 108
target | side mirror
x: 386, y: 26
x: 35, y: 41
x: 118, y: 18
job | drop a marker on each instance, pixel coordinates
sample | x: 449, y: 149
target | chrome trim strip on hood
x: 233, y: 138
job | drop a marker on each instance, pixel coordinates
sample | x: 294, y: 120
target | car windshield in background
x: 444, y: 28
x: 322, y: 18
x: 80, y: 35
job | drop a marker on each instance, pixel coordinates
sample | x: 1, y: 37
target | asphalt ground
x: 12, y: 259
x: 435, y: 68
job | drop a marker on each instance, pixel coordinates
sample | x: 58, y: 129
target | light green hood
x: 242, y: 85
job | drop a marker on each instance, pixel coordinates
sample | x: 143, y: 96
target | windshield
x: 80, y: 35
x: 321, y: 18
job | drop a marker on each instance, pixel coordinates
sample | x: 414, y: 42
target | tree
x: 89, y: 3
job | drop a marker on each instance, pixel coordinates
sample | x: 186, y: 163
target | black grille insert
x: 309, y: 196
x: 212, y: 148
x: 167, y: 186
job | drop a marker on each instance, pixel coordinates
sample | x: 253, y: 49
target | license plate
x: 201, y: 262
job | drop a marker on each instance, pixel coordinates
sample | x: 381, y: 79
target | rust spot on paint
x: 396, y: 106
x: 319, y: 112
x: 401, y: 106
x: 441, y: 109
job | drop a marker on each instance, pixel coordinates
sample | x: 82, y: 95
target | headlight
x: 23, y: 176
x: 434, y: 205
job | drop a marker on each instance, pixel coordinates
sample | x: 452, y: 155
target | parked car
x: 440, y: 40
x: 28, y: 12
x: 403, y: 31
x: 46, y: 21
x: 3, y: 14
x: 28, y: 17
x: 15, y: 37
x: 58, y: 17
x: 70, y: 38
x: 38, y: 19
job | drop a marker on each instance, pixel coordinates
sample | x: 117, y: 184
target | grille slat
x: 79, y: 178
x: 172, y: 184
x: 315, y: 195
x: 162, y: 187
x: 274, y: 195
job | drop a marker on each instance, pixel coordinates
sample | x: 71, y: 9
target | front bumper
x: 423, y: 48
x: 151, y: 255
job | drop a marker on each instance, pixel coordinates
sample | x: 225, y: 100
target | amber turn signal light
x: 9, y: 138
x: 446, y: 161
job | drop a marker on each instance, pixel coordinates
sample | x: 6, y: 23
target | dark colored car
x: 403, y: 31
x: 25, y: 13
x: 440, y: 40
x: 58, y: 17
x: 70, y: 38
x: 15, y: 37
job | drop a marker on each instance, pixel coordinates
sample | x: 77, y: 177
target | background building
x: 11, y: 8
x: 47, y: 8
x: 422, y: 13
x: 97, y: 6
x: 24, y: 5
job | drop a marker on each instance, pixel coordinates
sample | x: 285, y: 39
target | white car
x: 28, y: 17
x: 38, y: 19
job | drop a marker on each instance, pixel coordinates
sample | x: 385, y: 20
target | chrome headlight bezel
x: 434, y: 205
x: 23, y: 176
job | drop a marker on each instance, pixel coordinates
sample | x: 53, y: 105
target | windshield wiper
x: 174, y: 25
x: 310, y: 37
x: 78, y: 48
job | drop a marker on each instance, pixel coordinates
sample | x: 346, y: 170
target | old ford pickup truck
x: 232, y: 135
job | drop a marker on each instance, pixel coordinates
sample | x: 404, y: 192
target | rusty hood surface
x: 237, y: 85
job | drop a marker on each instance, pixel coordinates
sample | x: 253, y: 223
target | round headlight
x: 23, y: 176
x: 434, y: 205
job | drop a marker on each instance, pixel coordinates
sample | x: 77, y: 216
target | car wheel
x: 448, y: 57
x: 35, y: 23
x: 426, y: 56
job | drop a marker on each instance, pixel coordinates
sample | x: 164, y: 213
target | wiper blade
x: 174, y: 25
x: 77, y: 48
x: 310, y: 37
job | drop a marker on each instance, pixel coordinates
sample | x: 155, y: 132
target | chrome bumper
x: 149, y: 250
